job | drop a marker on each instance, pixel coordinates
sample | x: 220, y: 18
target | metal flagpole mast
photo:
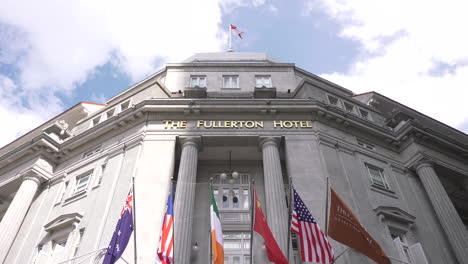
x: 134, y: 222
x: 290, y: 214
x: 252, y: 214
x: 171, y: 190
x: 326, y: 209
x: 230, y: 38
x: 209, y: 231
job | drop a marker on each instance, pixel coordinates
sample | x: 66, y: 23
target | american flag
x: 166, y: 241
x: 314, y: 244
x: 122, y: 232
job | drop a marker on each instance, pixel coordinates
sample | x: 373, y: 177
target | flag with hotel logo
x: 122, y: 232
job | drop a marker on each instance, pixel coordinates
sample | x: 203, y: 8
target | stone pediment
x: 62, y: 222
x: 395, y: 214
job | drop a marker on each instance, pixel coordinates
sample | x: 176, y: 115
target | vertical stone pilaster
x: 16, y: 212
x: 185, y: 199
x: 277, y: 211
x: 446, y: 212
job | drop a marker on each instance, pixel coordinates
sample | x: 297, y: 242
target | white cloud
x: 53, y: 46
x: 412, y: 51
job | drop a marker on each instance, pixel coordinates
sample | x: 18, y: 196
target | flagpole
x: 134, y: 222
x: 251, y: 218
x: 171, y: 192
x: 230, y: 38
x: 289, y: 215
x: 209, y: 231
x: 326, y: 209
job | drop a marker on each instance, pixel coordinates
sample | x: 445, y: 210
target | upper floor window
x: 263, y: 81
x: 82, y: 182
x: 333, y: 100
x: 377, y: 176
x: 408, y: 253
x: 198, y: 81
x: 232, y: 197
x: 348, y: 107
x: 364, y: 113
x: 231, y: 81
x: 124, y: 106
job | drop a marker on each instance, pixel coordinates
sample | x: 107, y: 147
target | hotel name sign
x: 236, y: 124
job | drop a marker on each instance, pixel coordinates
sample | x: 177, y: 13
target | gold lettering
x: 287, y: 124
x: 200, y: 123
x: 241, y: 123
x: 183, y: 124
x: 259, y: 124
x: 249, y: 124
x: 227, y: 124
x: 166, y: 123
x: 208, y: 122
x: 234, y: 124
x: 276, y: 123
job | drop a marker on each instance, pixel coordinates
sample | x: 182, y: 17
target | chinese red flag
x: 344, y: 227
x: 274, y: 252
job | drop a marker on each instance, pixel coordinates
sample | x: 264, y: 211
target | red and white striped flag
x: 236, y: 31
x: 314, y: 244
x: 166, y: 241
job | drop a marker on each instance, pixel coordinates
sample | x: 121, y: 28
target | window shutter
x: 400, y: 250
x: 417, y: 253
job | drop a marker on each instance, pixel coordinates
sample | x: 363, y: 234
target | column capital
x: 35, y: 173
x: 266, y: 141
x: 423, y: 163
x: 195, y: 141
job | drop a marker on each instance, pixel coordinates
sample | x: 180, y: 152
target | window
x: 348, y: 107
x: 124, y: 106
x: 82, y: 183
x: 365, y: 144
x: 263, y: 81
x: 110, y: 113
x: 364, y: 113
x: 410, y: 254
x: 198, y: 81
x: 233, y: 198
x: 333, y: 100
x: 237, y: 247
x: 377, y: 176
x: 231, y: 81
x: 96, y: 120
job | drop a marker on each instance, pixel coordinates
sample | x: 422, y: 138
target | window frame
x: 198, y: 83
x: 329, y: 97
x: 231, y: 78
x: 84, y: 189
x: 263, y: 78
x: 384, y: 182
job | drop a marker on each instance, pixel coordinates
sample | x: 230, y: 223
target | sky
x: 54, y: 54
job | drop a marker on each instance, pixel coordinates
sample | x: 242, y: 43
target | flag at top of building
x: 122, y: 232
x: 216, y: 232
x: 314, y: 244
x: 166, y: 241
x: 236, y: 31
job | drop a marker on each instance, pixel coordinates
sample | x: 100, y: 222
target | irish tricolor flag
x: 216, y: 232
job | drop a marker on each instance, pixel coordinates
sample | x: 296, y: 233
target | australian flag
x: 122, y: 232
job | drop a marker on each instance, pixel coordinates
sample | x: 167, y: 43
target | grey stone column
x: 16, y: 212
x: 446, y: 212
x: 277, y: 212
x: 185, y: 199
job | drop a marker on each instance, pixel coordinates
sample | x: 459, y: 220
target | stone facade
x: 238, y: 120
